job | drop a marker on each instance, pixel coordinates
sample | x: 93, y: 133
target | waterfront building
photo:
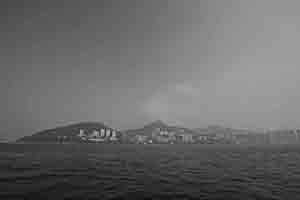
x: 102, y: 132
x: 113, y: 133
x: 203, y: 138
x: 164, y: 133
x: 95, y: 133
x: 141, y: 139
x: 172, y: 136
x: 81, y: 133
x: 163, y: 136
x: 108, y: 132
x: 186, y: 138
x: 162, y: 139
x: 113, y: 136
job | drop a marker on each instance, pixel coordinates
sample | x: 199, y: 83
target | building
x: 162, y: 139
x: 163, y: 136
x: 102, y: 132
x: 95, y: 134
x: 164, y: 133
x: 81, y: 133
x: 204, y: 138
x: 172, y: 137
x: 108, y: 132
x: 141, y: 139
x: 113, y: 136
x: 186, y: 138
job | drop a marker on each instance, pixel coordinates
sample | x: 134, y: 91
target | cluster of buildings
x: 163, y: 136
x: 284, y: 136
x: 175, y: 135
x: 249, y: 137
x: 218, y: 136
x: 161, y: 133
x: 102, y: 135
x: 244, y: 136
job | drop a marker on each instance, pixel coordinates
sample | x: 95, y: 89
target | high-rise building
x: 113, y: 134
x: 96, y: 133
x: 102, y: 132
x: 81, y: 133
x: 108, y: 132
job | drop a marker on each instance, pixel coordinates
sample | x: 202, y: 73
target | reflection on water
x: 35, y: 171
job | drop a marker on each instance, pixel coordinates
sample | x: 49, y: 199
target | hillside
x: 148, y: 129
x: 67, y: 133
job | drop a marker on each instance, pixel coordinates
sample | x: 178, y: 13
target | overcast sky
x: 128, y: 62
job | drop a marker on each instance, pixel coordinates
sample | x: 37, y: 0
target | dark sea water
x: 70, y: 171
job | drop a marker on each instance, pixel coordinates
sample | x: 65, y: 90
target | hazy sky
x: 128, y: 62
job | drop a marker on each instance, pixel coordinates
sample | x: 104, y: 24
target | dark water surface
x: 70, y: 171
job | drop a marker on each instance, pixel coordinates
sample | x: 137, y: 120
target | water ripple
x: 153, y: 172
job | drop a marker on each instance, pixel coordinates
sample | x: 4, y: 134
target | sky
x: 129, y: 62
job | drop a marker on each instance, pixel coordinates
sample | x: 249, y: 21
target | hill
x: 157, y: 128
x: 69, y: 133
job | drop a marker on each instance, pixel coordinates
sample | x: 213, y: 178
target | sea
x: 120, y: 171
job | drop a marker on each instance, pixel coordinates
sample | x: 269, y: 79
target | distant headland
x: 159, y: 132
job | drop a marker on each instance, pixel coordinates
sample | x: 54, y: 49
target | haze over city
x: 127, y: 63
